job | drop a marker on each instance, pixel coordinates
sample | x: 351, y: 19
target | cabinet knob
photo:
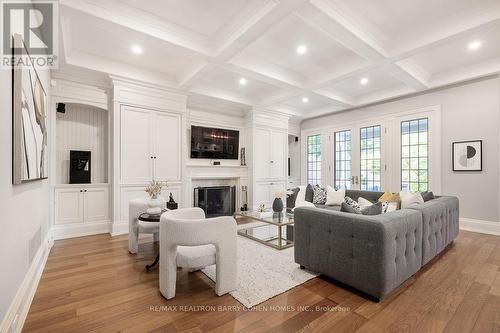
x: 272, y: 161
x: 84, y: 190
x: 81, y: 190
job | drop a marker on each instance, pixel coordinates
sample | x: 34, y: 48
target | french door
x: 358, y: 157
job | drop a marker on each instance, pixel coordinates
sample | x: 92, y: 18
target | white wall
x: 25, y: 208
x: 469, y: 112
x: 82, y: 127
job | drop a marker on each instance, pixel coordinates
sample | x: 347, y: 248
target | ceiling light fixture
x: 243, y: 81
x: 136, y: 49
x: 301, y: 49
x: 474, y: 45
x: 305, y: 99
x: 364, y: 81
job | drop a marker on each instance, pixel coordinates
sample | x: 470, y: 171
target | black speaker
x: 61, y: 108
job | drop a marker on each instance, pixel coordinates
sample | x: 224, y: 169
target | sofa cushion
x: 309, y: 194
x: 334, y: 197
x: 390, y: 197
x: 319, y: 195
x: 346, y: 208
x: 196, y: 256
x: 427, y: 196
x: 356, y: 194
x: 375, y: 209
x: 410, y: 198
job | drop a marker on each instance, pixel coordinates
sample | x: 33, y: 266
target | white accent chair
x: 189, y: 240
x: 136, y: 227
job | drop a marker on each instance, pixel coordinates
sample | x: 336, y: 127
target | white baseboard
x: 18, y: 309
x: 484, y: 227
x: 63, y: 231
x: 119, y: 228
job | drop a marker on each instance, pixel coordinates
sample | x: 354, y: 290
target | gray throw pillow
x: 309, y: 193
x: 375, y: 209
x: 427, y: 195
x: 346, y: 208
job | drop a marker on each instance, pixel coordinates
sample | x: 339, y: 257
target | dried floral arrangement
x: 280, y: 194
x: 154, y: 188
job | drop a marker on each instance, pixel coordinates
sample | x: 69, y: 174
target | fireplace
x: 216, y: 200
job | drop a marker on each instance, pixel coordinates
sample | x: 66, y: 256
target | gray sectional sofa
x: 374, y: 254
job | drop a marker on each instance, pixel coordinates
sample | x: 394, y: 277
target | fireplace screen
x: 216, y: 200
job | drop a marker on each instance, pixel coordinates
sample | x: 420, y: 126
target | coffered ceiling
x: 302, y: 58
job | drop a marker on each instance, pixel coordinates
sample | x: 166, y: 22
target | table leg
x: 148, y: 267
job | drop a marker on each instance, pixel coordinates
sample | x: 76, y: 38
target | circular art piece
x: 467, y: 156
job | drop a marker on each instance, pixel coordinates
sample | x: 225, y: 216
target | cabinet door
x: 262, y: 194
x: 262, y: 152
x: 136, y: 148
x: 96, y: 204
x: 167, y: 143
x: 278, y: 154
x: 69, y: 206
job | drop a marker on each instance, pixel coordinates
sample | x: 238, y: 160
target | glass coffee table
x: 275, y: 231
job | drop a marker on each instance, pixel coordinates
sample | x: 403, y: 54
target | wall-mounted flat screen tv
x: 214, y: 143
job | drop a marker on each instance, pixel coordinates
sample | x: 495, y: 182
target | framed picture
x: 467, y: 155
x: 29, y: 129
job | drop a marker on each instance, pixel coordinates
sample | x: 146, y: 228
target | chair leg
x: 133, y: 241
x: 168, y: 271
x: 156, y: 237
x: 226, y: 272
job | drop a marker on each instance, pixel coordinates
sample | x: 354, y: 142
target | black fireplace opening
x: 216, y: 200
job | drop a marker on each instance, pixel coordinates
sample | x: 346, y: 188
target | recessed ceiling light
x: 136, y: 49
x: 305, y: 99
x: 243, y: 81
x: 474, y: 45
x: 364, y: 81
x: 301, y: 49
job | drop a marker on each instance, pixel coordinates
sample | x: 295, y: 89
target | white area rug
x: 263, y: 272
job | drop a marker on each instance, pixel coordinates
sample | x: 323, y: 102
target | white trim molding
x: 19, y: 308
x: 481, y: 226
x: 64, y: 231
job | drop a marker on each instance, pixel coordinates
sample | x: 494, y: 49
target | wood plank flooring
x: 92, y: 284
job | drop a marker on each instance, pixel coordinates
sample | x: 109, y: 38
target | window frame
x: 410, y: 155
x: 318, y: 163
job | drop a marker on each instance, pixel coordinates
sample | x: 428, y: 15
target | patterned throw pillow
x: 319, y: 195
x: 353, y: 203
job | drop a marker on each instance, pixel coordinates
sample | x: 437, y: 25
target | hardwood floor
x: 92, y: 284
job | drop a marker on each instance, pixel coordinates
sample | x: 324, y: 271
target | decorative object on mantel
x: 156, y: 204
x: 467, y: 155
x: 243, y: 157
x: 278, y: 202
x: 171, y: 204
x: 244, y: 201
x: 29, y: 129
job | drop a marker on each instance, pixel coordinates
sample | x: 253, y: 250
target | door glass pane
x: 370, y: 158
x: 343, y: 159
x: 414, y: 155
x: 314, y: 159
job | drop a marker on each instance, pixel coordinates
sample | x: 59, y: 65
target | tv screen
x: 214, y: 143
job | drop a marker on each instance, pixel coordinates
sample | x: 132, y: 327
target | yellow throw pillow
x: 390, y: 197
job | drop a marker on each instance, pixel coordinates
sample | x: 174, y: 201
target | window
x: 414, y: 155
x: 314, y: 159
x: 343, y: 159
x: 370, y: 158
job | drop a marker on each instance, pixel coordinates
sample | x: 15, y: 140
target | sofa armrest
x: 374, y: 254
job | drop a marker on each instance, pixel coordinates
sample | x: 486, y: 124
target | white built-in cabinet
x: 269, y: 154
x: 269, y: 163
x: 81, y: 204
x: 149, y: 145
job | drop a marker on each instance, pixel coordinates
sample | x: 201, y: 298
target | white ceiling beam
x: 177, y: 38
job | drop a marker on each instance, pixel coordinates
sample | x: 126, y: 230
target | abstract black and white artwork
x: 29, y: 130
x: 467, y: 155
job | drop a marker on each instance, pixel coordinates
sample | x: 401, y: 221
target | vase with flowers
x: 156, y: 202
